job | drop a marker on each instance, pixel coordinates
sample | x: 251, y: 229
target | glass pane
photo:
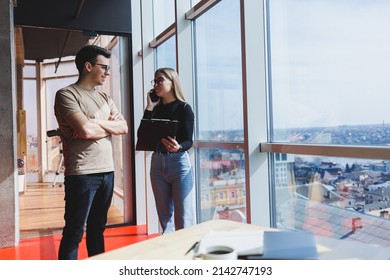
x: 64, y: 68
x: 329, y: 68
x: 163, y: 14
x: 29, y: 71
x: 334, y: 197
x: 117, y: 95
x: 54, y: 147
x: 219, y: 73
x: 221, y: 175
x: 30, y: 105
x: 166, y: 54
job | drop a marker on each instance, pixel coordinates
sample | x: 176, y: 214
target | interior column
x: 9, y: 215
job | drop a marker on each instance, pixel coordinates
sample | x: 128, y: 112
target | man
x: 87, y: 119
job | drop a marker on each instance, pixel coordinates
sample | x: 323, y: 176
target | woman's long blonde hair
x: 172, y: 75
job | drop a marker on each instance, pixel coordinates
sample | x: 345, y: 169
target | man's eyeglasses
x: 105, y: 67
x: 157, y: 81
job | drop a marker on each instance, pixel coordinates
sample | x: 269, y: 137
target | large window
x: 166, y: 54
x: 117, y: 91
x: 163, y: 15
x: 221, y: 176
x: 328, y: 86
x: 329, y: 65
x: 30, y: 105
x: 219, y: 114
x: 219, y: 73
x: 307, y: 80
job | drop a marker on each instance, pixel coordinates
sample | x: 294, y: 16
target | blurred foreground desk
x: 173, y: 246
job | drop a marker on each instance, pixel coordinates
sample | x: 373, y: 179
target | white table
x: 174, y: 246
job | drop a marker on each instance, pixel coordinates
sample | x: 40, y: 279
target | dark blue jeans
x: 87, y: 200
x: 173, y: 187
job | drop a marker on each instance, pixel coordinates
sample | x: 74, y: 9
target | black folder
x: 151, y: 131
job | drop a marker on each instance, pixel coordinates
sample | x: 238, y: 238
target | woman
x: 171, y: 171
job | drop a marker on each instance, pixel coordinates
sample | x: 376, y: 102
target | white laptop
x: 289, y: 245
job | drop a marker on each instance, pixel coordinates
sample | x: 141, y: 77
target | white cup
x: 219, y: 253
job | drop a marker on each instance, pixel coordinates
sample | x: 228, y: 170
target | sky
x: 330, y: 62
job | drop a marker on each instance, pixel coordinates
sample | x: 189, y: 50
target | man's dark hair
x: 89, y: 54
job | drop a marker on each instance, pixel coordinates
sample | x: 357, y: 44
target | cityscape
x: 360, y: 184
x: 377, y: 134
x: 351, y: 189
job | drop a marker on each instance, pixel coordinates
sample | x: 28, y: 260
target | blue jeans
x: 172, y: 183
x: 87, y: 200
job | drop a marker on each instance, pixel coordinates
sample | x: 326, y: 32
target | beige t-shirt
x: 84, y: 156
